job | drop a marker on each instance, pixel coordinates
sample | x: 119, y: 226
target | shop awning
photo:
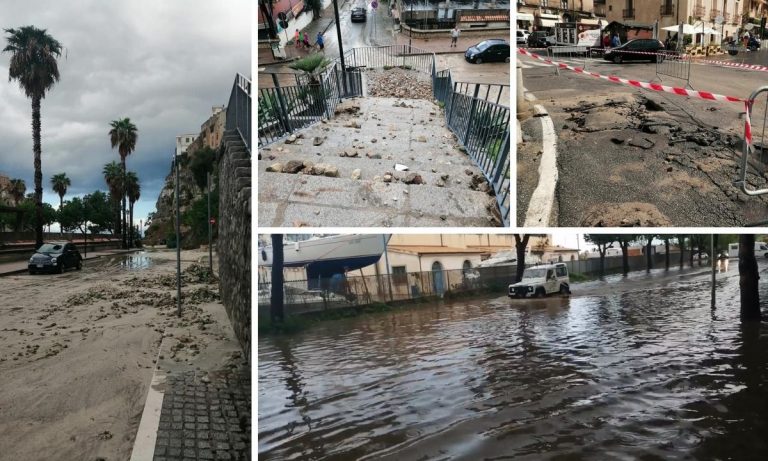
x: 547, y: 22
x: 524, y: 17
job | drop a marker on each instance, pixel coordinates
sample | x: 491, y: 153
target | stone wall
x: 234, y: 243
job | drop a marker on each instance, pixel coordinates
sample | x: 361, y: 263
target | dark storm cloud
x: 161, y: 63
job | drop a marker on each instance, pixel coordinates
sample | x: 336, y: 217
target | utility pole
x: 178, y: 238
x: 210, y: 228
x: 386, y: 261
x: 341, y: 48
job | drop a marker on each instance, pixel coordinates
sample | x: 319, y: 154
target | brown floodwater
x: 625, y: 369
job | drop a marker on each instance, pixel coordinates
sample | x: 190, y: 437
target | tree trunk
x: 276, y: 300
x: 681, y: 244
x: 666, y: 254
x: 521, y: 242
x: 37, y: 151
x: 690, y: 245
x: 648, y: 257
x: 624, y: 257
x: 130, y: 221
x: 748, y: 277
x: 122, y: 197
x: 602, y: 260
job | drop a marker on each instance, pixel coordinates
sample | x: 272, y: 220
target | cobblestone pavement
x: 206, y: 416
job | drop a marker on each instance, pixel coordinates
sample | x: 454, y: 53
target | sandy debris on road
x: 77, y: 351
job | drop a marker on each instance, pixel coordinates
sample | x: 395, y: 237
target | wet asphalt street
x: 624, y: 369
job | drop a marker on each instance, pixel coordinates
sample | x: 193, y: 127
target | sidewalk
x: 17, y: 267
x: 442, y: 44
x: 321, y: 24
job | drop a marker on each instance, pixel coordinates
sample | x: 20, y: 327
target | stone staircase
x: 342, y: 172
x: 234, y: 240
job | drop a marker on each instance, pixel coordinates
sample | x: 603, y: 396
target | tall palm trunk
x: 130, y: 209
x: 748, y: 277
x: 37, y: 149
x: 276, y: 299
x: 122, y: 194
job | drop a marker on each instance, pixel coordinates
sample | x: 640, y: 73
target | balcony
x: 699, y: 11
x: 600, y: 10
x: 713, y: 14
x: 667, y: 10
x: 628, y: 13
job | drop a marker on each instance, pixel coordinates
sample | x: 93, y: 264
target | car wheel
x: 479, y: 61
x: 564, y: 290
x: 506, y: 59
x: 79, y: 264
x: 31, y: 272
x: 540, y: 293
x: 617, y: 59
x: 60, y: 268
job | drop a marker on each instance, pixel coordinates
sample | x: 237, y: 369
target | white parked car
x: 522, y: 37
x: 539, y: 281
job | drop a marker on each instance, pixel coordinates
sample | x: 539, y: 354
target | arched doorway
x: 438, y: 284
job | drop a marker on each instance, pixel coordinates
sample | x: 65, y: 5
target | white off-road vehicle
x: 542, y: 280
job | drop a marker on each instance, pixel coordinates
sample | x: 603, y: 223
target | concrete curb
x: 539, y: 211
x: 146, y: 435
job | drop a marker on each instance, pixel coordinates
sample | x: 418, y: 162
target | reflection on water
x: 134, y: 262
x: 636, y: 371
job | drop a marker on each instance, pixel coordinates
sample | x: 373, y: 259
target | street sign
x: 374, y: 4
x: 283, y: 23
x: 281, y: 16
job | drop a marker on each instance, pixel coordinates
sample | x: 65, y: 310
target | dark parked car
x: 55, y: 257
x: 492, y: 50
x: 358, y: 14
x: 538, y: 39
x: 635, y: 50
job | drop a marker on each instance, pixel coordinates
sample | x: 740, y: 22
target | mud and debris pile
x: 398, y: 82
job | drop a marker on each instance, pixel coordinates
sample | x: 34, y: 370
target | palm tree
x: 123, y: 135
x: 133, y: 191
x: 113, y: 175
x: 18, y: 189
x: 33, y: 64
x: 60, y: 182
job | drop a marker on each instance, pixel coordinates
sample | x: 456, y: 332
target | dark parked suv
x: 635, y: 50
x: 492, y: 50
x: 358, y: 14
x: 55, y: 257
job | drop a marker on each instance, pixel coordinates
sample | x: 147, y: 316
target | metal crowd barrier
x: 573, y: 53
x: 674, y: 65
x: 754, y: 139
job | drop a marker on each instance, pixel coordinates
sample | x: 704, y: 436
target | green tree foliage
x: 99, y: 212
x: 73, y: 215
x: 59, y: 184
x: 33, y: 64
x: 196, y: 217
x: 113, y: 175
x: 202, y: 163
x: 17, y: 191
x: 315, y: 5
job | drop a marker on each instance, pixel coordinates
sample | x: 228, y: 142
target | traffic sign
x: 374, y: 4
x: 283, y: 23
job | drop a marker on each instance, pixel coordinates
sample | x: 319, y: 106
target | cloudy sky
x: 163, y: 63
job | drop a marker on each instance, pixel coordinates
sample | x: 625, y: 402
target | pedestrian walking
x: 306, y: 41
x: 606, y: 40
x: 615, y: 41
x: 296, y: 40
x: 455, y: 35
x: 320, y: 41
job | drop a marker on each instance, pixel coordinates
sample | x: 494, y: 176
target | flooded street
x: 641, y: 368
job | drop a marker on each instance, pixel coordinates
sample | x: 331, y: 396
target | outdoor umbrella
x: 687, y: 29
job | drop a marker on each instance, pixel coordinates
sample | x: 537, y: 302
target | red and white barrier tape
x: 747, y: 126
x: 648, y: 86
x: 735, y: 64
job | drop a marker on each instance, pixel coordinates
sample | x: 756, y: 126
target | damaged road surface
x: 629, y: 159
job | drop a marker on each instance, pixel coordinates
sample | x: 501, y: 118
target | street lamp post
x: 341, y: 48
x: 210, y: 228
x: 178, y: 239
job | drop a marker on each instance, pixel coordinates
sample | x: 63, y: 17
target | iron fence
x: 239, y: 109
x: 303, y: 296
x: 383, y: 57
x: 752, y: 171
x: 286, y: 109
x: 483, y: 129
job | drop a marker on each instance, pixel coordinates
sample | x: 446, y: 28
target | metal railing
x: 239, y: 109
x: 674, y: 65
x: 286, y: 109
x: 493, y: 92
x: 482, y: 127
x: 383, y: 57
x: 577, y: 54
x: 754, y: 141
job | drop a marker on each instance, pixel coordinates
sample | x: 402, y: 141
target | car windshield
x: 534, y: 273
x: 50, y: 248
x: 482, y: 46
